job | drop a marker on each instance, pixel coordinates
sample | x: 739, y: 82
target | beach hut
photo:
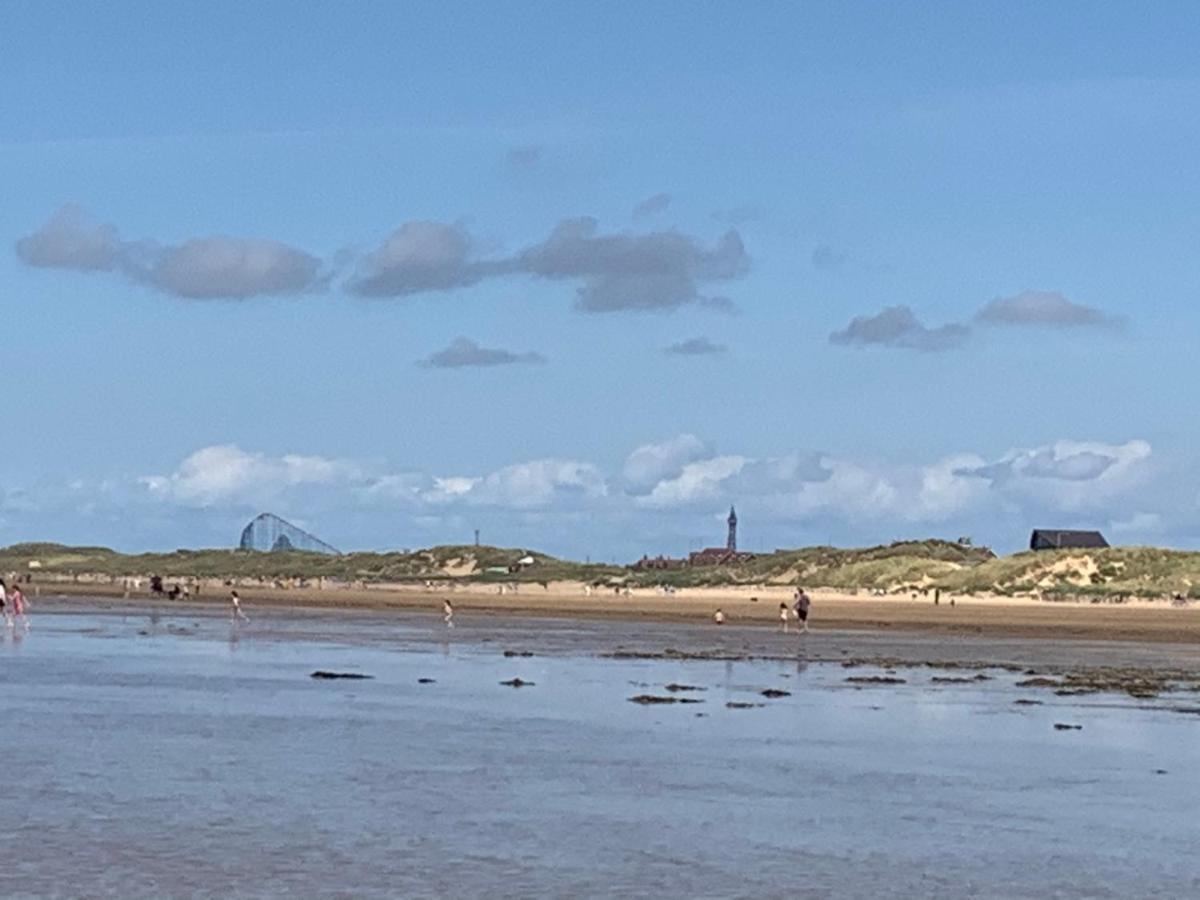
x: 1058, y: 539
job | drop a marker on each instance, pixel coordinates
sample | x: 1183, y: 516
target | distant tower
x: 731, y: 541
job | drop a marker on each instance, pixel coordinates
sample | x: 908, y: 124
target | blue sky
x: 581, y: 276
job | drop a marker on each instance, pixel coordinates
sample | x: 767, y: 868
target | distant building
x: 729, y: 555
x: 1051, y: 539
x: 718, y: 556
x: 655, y: 563
x: 722, y: 556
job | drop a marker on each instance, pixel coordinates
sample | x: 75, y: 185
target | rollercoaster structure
x: 267, y: 532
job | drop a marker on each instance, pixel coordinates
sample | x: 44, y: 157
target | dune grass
x: 897, y: 567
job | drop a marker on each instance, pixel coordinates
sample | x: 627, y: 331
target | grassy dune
x: 1116, y: 571
x: 901, y: 566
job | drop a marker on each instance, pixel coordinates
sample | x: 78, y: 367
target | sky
x: 581, y: 276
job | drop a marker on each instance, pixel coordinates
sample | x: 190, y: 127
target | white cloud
x: 702, y: 481
x: 622, y: 271
x: 466, y: 353
x: 1046, y: 308
x: 223, y: 267
x: 213, y: 267
x: 1069, y: 475
x: 227, y: 474
x: 539, y: 483
x: 943, y: 492
x: 70, y: 239
x: 898, y: 326
x: 405, y: 489
x: 657, y: 271
x: 419, y: 257
x: 649, y: 464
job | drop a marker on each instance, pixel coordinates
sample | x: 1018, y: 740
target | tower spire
x: 731, y: 541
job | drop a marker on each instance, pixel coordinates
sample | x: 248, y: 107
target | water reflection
x: 201, y: 759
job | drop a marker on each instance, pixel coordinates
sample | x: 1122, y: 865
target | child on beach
x: 4, y: 604
x: 448, y: 613
x: 784, y: 615
x: 17, y: 598
x: 719, y: 617
x: 235, y: 608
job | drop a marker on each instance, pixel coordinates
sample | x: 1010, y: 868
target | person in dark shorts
x: 801, y: 607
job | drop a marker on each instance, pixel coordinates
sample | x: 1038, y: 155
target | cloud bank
x: 663, y: 496
x: 677, y: 485
x: 612, y: 272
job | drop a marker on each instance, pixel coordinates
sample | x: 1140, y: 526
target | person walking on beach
x: 719, y: 617
x: 4, y: 604
x: 801, y: 607
x: 17, y: 597
x: 235, y: 608
x: 784, y: 615
x: 448, y: 613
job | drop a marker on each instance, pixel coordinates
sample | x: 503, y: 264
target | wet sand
x: 647, y: 637
x: 168, y: 753
x: 990, y: 616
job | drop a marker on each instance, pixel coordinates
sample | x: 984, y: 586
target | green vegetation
x: 421, y: 565
x: 897, y: 567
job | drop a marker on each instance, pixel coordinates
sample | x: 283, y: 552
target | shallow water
x: 193, y: 759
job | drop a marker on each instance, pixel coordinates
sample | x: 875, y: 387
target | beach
x: 988, y: 615
x: 167, y: 752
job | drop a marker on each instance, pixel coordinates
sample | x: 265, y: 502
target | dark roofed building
x: 1053, y: 539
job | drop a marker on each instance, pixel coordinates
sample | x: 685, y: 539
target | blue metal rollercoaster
x: 269, y: 533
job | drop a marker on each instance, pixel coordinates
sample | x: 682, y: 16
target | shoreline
x: 756, y: 608
x: 1141, y: 669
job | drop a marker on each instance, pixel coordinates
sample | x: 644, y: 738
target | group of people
x: 800, y: 606
x: 13, y: 606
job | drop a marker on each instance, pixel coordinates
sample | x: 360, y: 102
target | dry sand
x: 1142, y: 621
